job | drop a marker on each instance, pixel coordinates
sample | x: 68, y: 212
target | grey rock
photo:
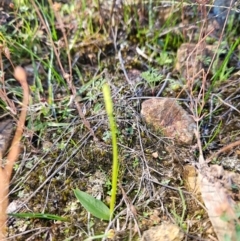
x: 221, y: 8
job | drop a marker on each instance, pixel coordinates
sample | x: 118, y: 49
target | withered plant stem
x: 6, y: 171
x: 224, y: 149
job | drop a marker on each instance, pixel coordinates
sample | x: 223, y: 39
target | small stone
x: 155, y: 154
x: 167, y: 116
x: 163, y: 232
x: 231, y: 163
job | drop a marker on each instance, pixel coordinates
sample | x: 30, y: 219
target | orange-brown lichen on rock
x: 168, y: 116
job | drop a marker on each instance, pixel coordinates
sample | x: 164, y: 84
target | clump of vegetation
x: 70, y: 50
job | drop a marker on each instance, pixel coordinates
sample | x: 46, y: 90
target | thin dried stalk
x: 6, y: 171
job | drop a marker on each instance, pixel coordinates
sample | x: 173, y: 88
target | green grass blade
x: 39, y: 215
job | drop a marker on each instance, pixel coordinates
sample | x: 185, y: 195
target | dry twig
x: 6, y: 171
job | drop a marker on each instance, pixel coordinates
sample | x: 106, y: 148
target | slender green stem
x: 115, y: 165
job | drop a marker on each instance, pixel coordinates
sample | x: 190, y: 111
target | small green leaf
x: 38, y: 215
x: 96, y: 207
